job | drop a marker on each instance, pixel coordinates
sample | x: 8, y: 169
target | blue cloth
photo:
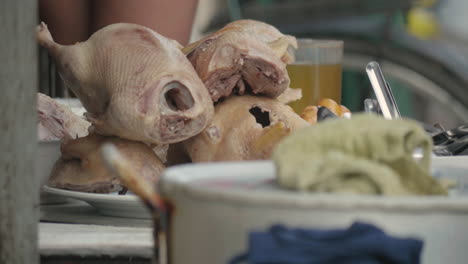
x: 361, y: 243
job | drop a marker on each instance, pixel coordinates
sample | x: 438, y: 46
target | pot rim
x: 178, y: 181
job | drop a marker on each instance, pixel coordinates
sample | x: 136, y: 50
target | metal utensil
x: 382, y: 91
x: 372, y: 106
x: 385, y: 97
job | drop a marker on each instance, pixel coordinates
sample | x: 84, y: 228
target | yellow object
x: 317, y: 81
x: 422, y: 23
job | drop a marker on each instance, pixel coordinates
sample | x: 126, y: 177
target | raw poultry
x: 81, y: 166
x: 244, y: 56
x: 134, y: 83
x: 249, y: 128
x: 283, y: 45
x: 57, y: 121
x: 140, y: 90
x: 244, y: 128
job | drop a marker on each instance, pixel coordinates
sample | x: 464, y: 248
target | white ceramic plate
x: 130, y: 206
x: 112, y: 204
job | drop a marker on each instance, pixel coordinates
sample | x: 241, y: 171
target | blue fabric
x: 361, y: 243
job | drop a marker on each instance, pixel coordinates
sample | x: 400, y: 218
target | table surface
x: 77, y: 229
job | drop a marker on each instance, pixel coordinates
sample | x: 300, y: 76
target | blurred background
x: 421, y: 45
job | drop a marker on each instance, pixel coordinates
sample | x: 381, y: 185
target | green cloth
x: 365, y: 154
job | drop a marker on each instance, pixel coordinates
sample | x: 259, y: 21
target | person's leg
x: 170, y: 18
x: 67, y: 20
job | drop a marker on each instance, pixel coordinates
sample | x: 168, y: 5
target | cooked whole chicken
x: 245, y: 55
x: 244, y: 128
x: 282, y: 45
x: 70, y: 175
x: 57, y: 121
x: 81, y: 167
x: 134, y: 83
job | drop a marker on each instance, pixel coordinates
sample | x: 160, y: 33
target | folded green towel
x: 365, y: 154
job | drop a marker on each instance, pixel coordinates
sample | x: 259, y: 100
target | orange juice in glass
x: 317, y: 71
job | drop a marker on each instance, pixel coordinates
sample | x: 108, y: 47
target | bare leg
x: 68, y: 20
x: 170, y: 18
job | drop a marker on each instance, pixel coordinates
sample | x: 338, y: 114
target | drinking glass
x: 317, y: 71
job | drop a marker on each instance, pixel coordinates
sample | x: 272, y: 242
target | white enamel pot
x: 216, y: 205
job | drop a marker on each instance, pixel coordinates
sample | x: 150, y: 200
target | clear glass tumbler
x: 317, y: 70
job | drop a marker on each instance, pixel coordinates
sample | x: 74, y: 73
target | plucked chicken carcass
x: 245, y: 55
x: 244, y: 128
x: 81, y: 167
x: 283, y: 45
x: 134, y: 83
x: 57, y: 121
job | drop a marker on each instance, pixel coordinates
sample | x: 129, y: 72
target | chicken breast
x: 244, y: 128
x: 134, y: 83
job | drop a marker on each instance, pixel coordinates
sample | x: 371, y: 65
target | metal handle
x: 382, y: 91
